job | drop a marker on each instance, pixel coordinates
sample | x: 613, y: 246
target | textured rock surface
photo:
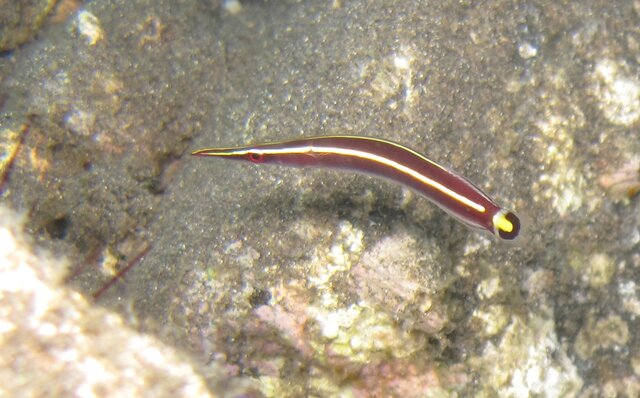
x: 323, y: 283
x: 55, y: 343
x: 20, y: 20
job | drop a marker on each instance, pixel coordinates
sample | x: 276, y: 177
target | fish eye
x: 506, y: 225
x: 256, y: 157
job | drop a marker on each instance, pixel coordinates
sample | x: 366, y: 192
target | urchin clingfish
x: 447, y: 189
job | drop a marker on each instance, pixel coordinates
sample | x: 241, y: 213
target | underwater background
x: 238, y: 280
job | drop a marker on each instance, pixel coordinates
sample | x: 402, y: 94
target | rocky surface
x: 318, y: 283
x: 55, y: 343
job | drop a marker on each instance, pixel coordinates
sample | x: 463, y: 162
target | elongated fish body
x: 447, y: 189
